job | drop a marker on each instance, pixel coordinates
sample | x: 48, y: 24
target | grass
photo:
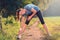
x: 11, y: 27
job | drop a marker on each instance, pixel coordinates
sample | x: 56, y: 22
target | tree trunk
x: 0, y: 20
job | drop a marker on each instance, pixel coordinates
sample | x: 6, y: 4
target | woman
x: 29, y: 11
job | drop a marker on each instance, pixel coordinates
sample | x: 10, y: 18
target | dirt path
x: 33, y: 33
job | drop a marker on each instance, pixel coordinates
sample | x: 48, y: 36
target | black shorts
x: 39, y: 16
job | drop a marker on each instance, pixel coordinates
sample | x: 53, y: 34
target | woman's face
x: 23, y: 11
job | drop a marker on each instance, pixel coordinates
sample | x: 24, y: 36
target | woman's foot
x: 19, y: 37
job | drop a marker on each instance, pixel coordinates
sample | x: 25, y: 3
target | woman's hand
x: 30, y: 17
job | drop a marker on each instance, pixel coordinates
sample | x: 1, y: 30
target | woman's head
x: 23, y: 11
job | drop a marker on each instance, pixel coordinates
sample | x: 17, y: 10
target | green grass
x: 11, y: 27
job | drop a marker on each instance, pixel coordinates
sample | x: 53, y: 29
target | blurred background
x: 9, y: 27
x: 48, y: 7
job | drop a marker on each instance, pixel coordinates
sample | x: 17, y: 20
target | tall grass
x: 11, y: 27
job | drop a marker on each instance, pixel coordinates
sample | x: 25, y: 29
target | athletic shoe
x: 19, y: 37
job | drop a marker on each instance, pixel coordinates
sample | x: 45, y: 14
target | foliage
x: 10, y: 30
x: 12, y: 5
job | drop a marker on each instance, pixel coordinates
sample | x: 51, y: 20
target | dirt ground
x: 34, y: 33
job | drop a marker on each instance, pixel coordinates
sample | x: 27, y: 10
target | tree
x: 0, y: 21
x: 12, y: 5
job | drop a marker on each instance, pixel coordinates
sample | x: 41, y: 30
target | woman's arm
x: 33, y: 13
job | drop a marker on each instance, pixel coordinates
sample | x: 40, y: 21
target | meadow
x: 10, y: 27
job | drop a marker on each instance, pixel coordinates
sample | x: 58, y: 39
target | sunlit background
x: 53, y: 9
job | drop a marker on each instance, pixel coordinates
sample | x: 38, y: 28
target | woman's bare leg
x: 23, y: 27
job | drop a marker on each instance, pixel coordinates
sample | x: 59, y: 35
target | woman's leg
x: 22, y: 28
x: 42, y: 22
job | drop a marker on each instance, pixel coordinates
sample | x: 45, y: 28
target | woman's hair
x: 17, y: 13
